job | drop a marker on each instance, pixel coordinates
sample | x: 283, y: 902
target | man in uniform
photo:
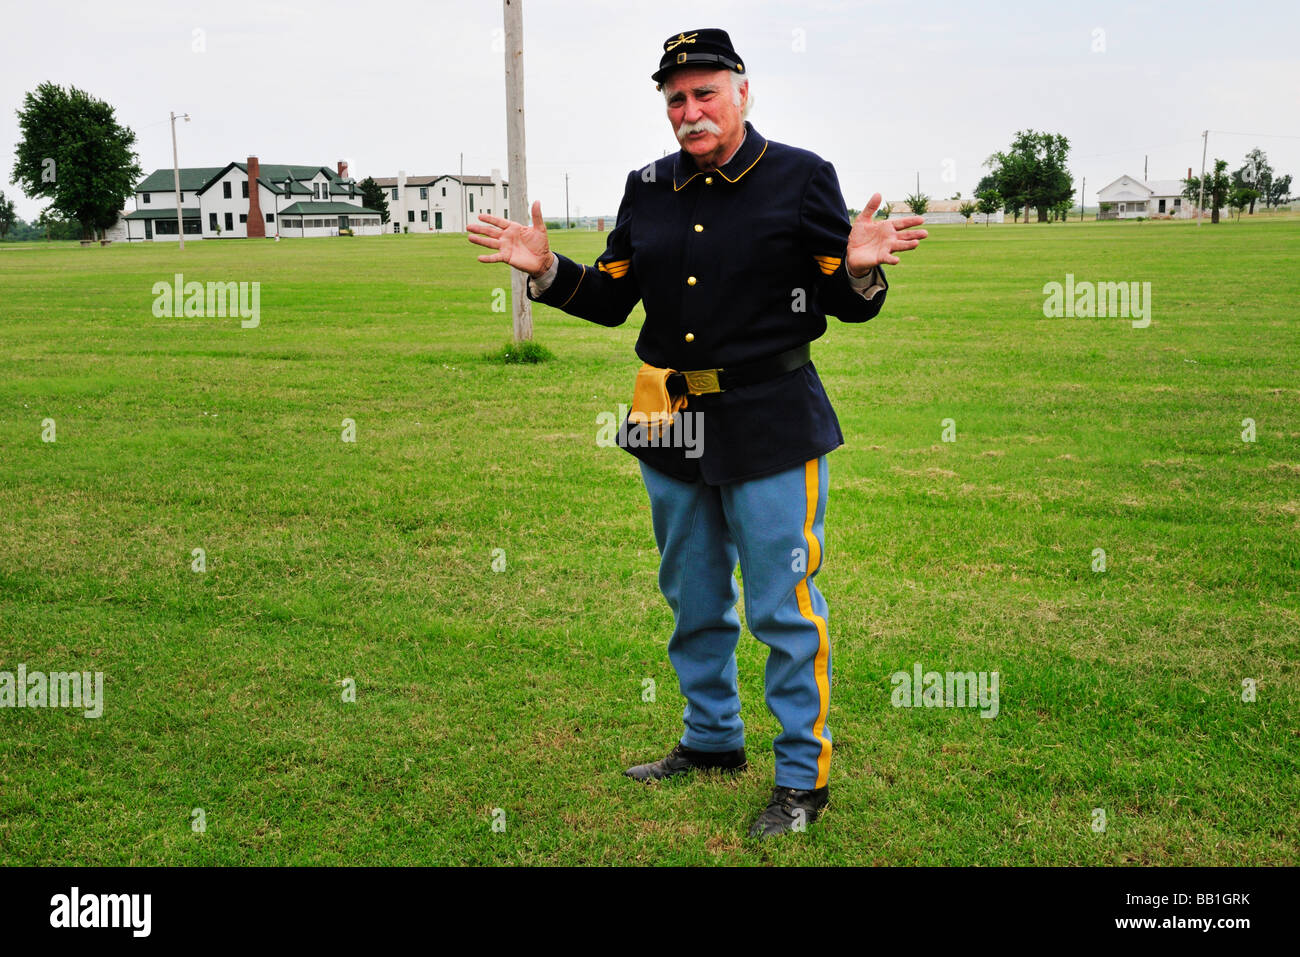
x: 738, y: 247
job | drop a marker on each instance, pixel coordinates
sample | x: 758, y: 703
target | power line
x: 1280, y: 136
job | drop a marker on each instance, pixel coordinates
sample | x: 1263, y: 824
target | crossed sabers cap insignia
x: 679, y: 40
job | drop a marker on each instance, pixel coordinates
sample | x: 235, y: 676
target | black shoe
x: 682, y: 759
x: 790, y: 810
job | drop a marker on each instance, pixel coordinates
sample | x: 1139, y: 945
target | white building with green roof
x: 216, y: 203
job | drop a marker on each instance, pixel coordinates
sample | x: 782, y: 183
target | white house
x: 442, y: 203
x: 1129, y: 198
x: 217, y: 202
x: 942, y: 211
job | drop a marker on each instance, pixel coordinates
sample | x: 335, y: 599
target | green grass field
x: 522, y: 689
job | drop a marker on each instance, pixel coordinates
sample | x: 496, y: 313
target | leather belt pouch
x: 652, y: 405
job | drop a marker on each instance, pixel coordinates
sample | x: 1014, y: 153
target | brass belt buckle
x: 702, y: 381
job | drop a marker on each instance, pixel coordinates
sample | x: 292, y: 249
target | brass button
x: 708, y: 181
x: 690, y: 280
x: 699, y: 228
x: 690, y: 337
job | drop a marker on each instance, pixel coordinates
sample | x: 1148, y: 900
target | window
x: 270, y: 217
x: 394, y: 192
x: 146, y: 197
x: 444, y: 192
x: 424, y: 215
x: 167, y: 227
x: 212, y: 222
x: 230, y: 218
x: 243, y: 217
x: 437, y: 220
x: 1178, y: 201
x: 424, y: 192
x: 504, y: 194
x: 410, y: 215
x: 471, y: 202
x: 1162, y: 206
x: 244, y: 188
x: 225, y: 191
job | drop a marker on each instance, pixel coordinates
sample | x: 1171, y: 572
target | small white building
x: 942, y: 211
x: 1130, y: 198
x: 441, y: 203
x: 218, y: 202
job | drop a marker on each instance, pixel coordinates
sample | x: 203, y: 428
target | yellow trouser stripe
x: 806, y: 609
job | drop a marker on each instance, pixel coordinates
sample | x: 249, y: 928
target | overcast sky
x: 883, y: 90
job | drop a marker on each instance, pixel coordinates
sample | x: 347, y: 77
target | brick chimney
x: 343, y: 169
x: 1189, y: 172
x: 256, y: 224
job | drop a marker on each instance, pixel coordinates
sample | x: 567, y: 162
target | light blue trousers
x: 774, y: 526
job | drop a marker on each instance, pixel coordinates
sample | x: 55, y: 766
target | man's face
x: 706, y: 121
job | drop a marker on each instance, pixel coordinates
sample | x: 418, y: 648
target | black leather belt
x: 706, y: 381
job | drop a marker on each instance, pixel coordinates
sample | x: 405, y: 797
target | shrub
x: 519, y: 353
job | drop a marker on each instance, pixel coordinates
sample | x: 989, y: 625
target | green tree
x: 1217, y: 186
x: 1255, y: 174
x: 967, y: 210
x: 990, y: 201
x: 919, y: 203
x: 1279, y: 190
x: 1032, y: 173
x: 74, y: 153
x: 8, y: 217
x: 1240, y: 197
x: 372, y: 197
x: 54, y: 225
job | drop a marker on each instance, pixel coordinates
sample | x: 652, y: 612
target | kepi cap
x: 709, y: 47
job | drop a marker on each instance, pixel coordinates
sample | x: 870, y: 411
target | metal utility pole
x: 513, y: 11
x: 566, y: 200
x: 1200, y: 203
x: 1144, y: 167
x: 176, y: 175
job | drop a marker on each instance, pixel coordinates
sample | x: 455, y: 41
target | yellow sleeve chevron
x: 616, y: 269
x: 828, y: 264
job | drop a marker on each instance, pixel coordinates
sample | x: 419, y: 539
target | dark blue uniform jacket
x: 733, y: 265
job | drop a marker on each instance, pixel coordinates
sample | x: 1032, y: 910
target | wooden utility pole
x: 176, y: 179
x: 1201, y: 202
x: 1083, y: 197
x: 516, y: 169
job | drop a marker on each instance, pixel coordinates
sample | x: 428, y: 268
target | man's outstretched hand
x: 874, y: 242
x: 524, y: 247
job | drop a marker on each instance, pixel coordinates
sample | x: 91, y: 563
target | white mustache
x: 702, y: 126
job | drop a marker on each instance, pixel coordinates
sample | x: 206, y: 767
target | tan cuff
x: 868, y: 285
x: 543, y: 282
